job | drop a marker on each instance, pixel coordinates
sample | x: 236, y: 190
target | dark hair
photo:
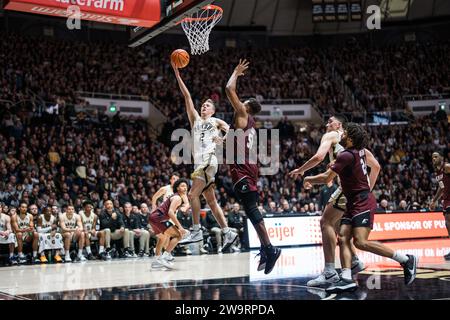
x: 254, y: 106
x: 46, y: 209
x: 177, y: 184
x: 175, y: 174
x: 341, y: 118
x: 86, y: 202
x: 357, y: 134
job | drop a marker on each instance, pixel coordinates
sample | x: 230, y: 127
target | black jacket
x: 143, y: 221
x: 107, y: 222
x: 132, y: 222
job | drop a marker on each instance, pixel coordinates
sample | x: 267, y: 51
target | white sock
x: 196, y: 227
x: 400, y: 257
x: 347, y: 273
x: 21, y: 254
x: 226, y: 230
x: 80, y: 252
x: 101, y: 249
x: 88, y: 250
x: 11, y: 255
x: 34, y: 253
x: 67, y: 255
x: 329, y: 268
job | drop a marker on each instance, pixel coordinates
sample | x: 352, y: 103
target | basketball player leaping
x: 206, y: 131
x: 336, y: 206
x: 357, y: 222
x: 245, y: 175
x: 442, y: 170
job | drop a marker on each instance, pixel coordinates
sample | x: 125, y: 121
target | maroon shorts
x: 446, y: 207
x: 360, y: 210
x: 159, y: 221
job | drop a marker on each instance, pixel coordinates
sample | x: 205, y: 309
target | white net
x: 198, y: 27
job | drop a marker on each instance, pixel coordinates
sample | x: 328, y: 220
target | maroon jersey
x: 159, y: 219
x: 443, y: 177
x: 246, y: 170
x: 351, y: 167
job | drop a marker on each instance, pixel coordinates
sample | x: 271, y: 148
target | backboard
x: 172, y: 12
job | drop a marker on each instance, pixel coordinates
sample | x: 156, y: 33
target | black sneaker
x: 447, y: 256
x: 13, y: 261
x: 90, y: 256
x: 141, y: 254
x: 36, y: 260
x: 76, y: 259
x: 22, y: 259
x: 104, y: 256
x: 127, y: 254
x: 262, y: 260
x: 342, y: 286
x: 410, y: 269
x: 272, y: 256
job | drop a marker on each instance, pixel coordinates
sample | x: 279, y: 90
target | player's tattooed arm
x: 322, y: 178
x: 327, y: 141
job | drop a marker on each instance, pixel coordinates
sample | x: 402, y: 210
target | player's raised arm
x: 375, y: 168
x: 230, y: 89
x: 192, y: 113
x: 325, y: 145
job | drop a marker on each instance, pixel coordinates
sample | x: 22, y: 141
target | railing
x: 378, y: 118
x: 419, y: 97
x: 112, y: 96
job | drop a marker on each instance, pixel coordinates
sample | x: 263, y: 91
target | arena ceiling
x: 294, y: 17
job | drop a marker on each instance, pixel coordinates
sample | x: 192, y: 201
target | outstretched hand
x: 174, y: 67
x: 241, y: 67
x: 295, y: 173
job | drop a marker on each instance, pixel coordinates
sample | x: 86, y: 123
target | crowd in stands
x: 379, y: 77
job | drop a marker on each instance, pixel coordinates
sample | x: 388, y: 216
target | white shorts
x: 206, y: 171
x: 338, y: 199
x: 10, y: 239
x: 47, y: 242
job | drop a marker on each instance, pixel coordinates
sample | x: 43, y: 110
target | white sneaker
x: 194, y: 236
x: 156, y: 264
x: 203, y: 251
x: 235, y: 249
x: 188, y: 251
x: 219, y: 249
x: 229, y: 239
x: 324, y: 279
x: 67, y: 259
x: 357, y: 266
x: 170, y: 257
x: 162, y: 261
x: 82, y: 258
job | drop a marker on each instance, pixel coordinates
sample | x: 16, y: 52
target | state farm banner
x: 143, y: 13
x: 301, y: 230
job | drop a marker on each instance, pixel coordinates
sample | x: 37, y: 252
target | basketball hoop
x: 199, y: 25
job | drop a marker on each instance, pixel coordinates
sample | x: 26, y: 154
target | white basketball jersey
x: 48, y: 224
x: 25, y: 223
x: 168, y: 192
x: 203, y: 145
x: 336, y: 149
x: 70, y: 223
x: 3, y: 222
x: 88, y: 222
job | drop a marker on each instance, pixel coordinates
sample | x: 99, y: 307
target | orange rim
x: 208, y: 7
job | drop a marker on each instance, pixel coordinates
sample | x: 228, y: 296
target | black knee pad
x: 248, y: 199
x: 254, y: 215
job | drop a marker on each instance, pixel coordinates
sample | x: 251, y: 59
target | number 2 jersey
x: 243, y: 167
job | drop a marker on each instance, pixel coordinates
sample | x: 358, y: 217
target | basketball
x: 180, y: 58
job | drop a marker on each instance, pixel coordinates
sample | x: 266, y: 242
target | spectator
x: 111, y: 222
